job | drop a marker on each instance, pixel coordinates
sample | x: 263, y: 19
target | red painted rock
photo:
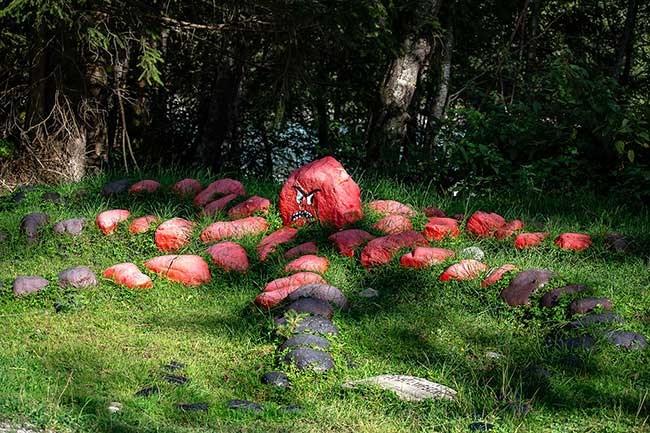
x: 320, y: 191
x: 146, y: 185
x: 249, y: 207
x: 128, y: 274
x: 277, y: 290
x: 509, y: 229
x: 423, y: 257
x: 573, y: 241
x: 484, y: 224
x: 438, y: 227
x: 216, y: 206
x: 269, y: 244
x: 391, y: 207
x: 173, y: 234
x: 306, y: 248
x: 380, y: 251
x: 219, y: 187
x: 496, y: 274
x: 393, y: 224
x: 347, y: 241
x: 142, y: 224
x: 108, y: 221
x: 434, y: 212
x: 188, y: 269
x: 234, y: 229
x: 309, y: 263
x: 187, y: 188
x: 229, y: 256
x: 526, y: 240
x: 464, y: 270
x: 524, y: 285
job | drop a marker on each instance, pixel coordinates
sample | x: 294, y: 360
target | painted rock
x: 108, y: 221
x: 234, y: 229
x: 407, y: 388
x: 347, y: 241
x: 573, y: 241
x: 78, y: 277
x: 526, y: 240
x: 434, y: 212
x: 146, y: 185
x: 380, y: 251
x: 277, y: 290
x: 391, y: 207
x: 142, y: 224
x: 27, y: 285
x: 229, y: 256
x: 73, y: 226
x: 325, y: 292
x: 483, y: 224
x: 317, y: 325
x: 32, y: 223
x: 128, y: 274
x: 249, y: 207
x: 216, y: 206
x: 219, y: 187
x: 306, y: 248
x: 464, y: 270
x: 496, y: 274
x: 423, y: 257
x: 173, y: 234
x: 269, y: 244
x: 188, y: 269
x: 551, y: 299
x: 508, y: 230
x: 585, y: 305
x: 437, y: 228
x: 393, y: 224
x: 309, y: 262
x: 187, y: 188
x: 524, y: 285
x: 115, y: 187
x: 314, y: 306
x: 306, y: 358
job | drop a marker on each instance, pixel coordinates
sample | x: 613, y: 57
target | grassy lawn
x: 62, y: 367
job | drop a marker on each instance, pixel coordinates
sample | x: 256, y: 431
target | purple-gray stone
x: 245, y: 405
x: 314, y: 306
x: 32, y: 223
x: 551, y: 299
x: 585, y: 305
x: 78, y: 277
x: 309, y: 325
x: 115, y: 187
x: 584, y: 342
x: 626, y: 339
x: 276, y: 378
x: 73, y: 226
x: 595, y: 319
x: 524, y: 285
x: 27, y: 285
x: 320, y: 291
x: 53, y: 197
x: 307, y: 358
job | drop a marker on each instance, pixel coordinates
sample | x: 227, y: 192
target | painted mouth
x: 302, y: 214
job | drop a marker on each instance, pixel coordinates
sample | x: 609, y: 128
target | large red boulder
x: 142, y: 224
x: 464, y: 270
x: 439, y: 227
x: 188, y: 269
x: 484, y: 224
x: 108, y: 220
x: 229, y: 256
x: 525, y: 240
x: 423, y: 257
x: 249, y: 207
x: 277, y: 290
x: 347, y: 241
x: 187, y: 188
x: 216, y: 206
x: 573, y: 241
x: 320, y: 191
x: 393, y: 224
x: 310, y: 262
x: 496, y: 274
x: 146, y: 185
x: 508, y: 230
x: 380, y: 251
x: 391, y: 207
x: 234, y: 229
x: 219, y: 187
x: 128, y: 274
x: 306, y: 248
x: 173, y: 234
x: 270, y: 242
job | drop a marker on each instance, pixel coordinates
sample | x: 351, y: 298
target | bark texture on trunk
x: 440, y: 103
x: 626, y: 44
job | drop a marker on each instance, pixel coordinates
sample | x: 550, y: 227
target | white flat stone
x: 409, y: 388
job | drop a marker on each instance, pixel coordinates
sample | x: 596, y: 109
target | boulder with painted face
x: 323, y: 192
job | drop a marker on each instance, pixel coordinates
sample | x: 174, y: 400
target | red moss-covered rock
x: 277, y: 290
x: 391, y: 207
x: 508, y: 230
x: 573, y: 241
x: 321, y: 191
x: 219, y: 187
x: 380, y: 251
x: 309, y: 263
x: 269, y: 243
x: 188, y: 269
x: 142, y: 224
x: 347, y: 241
x: 146, y: 185
x: 434, y: 212
x: 249, y: 207
x: 216, y: 206
x: 464, y: 270
x: 128, y: 274
x: 173, y: 234
x: 306, y: 248
x: 496, y: 274
x: 438, y: 227
x: 393, y: 224
x: 187, y: 188
x: 234, y: 229
x: 484, y: 224
x: 229, y: 256
x: 423, y: 257
x: 525, y: 240
x: 108, y: 221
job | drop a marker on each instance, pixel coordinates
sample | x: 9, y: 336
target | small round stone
x: 78, y: 277
x: 193, y: 407
x: 626, y: 340
x: 474, y: 253
x: 245, y: 405
x: 306, y: 358
x: 276, y: 378
x: 27, y: 285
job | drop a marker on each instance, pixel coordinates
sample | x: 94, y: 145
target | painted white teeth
x: 301, y: 214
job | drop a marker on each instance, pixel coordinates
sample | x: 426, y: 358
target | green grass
x: 60, y: 370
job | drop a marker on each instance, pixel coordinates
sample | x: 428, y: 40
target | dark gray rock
x: 18, y: 197
x: 583, y: 342
x: 551, y: 299
x: 595, y: 319
x: 626, y: 339
x: 308, y: 325
x: 148, y: 391
x: 321, y: 291
x: 78, y: 277
x: 292, y: 408
x: 306, y: 358
x: 73, y: 226
x: 585, y: 305
x: 32, y: 223
x: 480, y: 426
x: 617, y: 242
x: 174, y: 366
x: 53, y: 197
x: 524, y: 285
x: 27, y: 285
x: 193, y: 407
x: 304, y: 340
x: 276, y: 378
x: 115, y: 187
x: 174, y: 379
x: 245, y: 405
x: 314, y: 306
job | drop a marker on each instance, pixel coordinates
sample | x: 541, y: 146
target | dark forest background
x: 536, y: 95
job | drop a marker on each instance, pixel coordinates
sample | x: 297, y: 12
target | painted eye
x: 300, y: 196
x: 310, y: 199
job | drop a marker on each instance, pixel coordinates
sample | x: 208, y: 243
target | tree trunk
x: 535, y: 9
x: 440, y: 102
x: 625, y: 46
